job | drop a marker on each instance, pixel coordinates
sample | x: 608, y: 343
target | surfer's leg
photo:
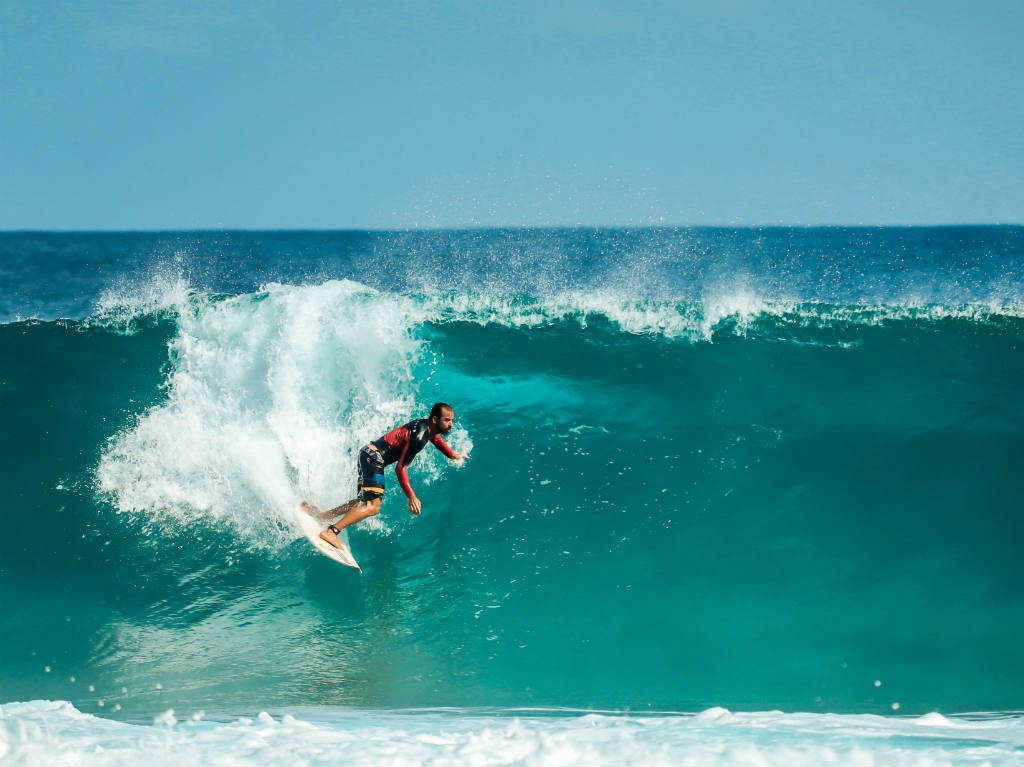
x: 337, y: 511
x: 326, y: 516
x: 358, y: 514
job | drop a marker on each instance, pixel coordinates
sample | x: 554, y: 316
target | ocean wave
x: 765, y: 515
x: 792, y: 483
x: 269, y: 395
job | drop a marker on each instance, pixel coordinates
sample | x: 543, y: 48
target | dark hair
x: 437, y: 410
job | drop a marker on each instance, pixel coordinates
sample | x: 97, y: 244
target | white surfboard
x: 311, y: 528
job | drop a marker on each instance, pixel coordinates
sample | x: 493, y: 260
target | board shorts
x: 371, y: 475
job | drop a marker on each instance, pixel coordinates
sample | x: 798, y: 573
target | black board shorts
x: 371, y: 475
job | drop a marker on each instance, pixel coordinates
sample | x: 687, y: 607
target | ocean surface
x: 743, y: 496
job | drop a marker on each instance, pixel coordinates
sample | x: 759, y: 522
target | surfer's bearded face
x: 445, y: 421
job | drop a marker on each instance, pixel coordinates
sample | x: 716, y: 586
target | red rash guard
x: 401, y: 445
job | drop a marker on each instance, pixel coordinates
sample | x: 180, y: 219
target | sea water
x: 735, y: 496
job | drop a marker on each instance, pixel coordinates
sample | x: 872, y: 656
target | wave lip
x: 50, y: 732
x: 739, y: 309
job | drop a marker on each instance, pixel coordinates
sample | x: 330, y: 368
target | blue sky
x: 260, y: 115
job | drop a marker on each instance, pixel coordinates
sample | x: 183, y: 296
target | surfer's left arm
x: 441, y: 445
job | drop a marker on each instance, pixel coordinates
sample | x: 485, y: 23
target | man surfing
x: 398, y: 446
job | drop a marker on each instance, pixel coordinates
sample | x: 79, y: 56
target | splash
x: 267, y: 400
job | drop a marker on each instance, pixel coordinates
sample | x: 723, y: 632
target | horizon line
x: 508, y: 227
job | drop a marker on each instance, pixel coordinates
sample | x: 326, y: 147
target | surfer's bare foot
x: 331, y: 536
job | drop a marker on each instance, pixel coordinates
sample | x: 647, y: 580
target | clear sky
x: 175, y: 114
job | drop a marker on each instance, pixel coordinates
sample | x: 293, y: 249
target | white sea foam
x: 44, y: 732
x: 268, y: 398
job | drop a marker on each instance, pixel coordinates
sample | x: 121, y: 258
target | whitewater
x: 734, y: 497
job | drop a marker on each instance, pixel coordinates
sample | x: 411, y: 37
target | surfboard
x: 311, y: 528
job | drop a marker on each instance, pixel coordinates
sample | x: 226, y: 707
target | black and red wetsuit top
x: 402, y: 444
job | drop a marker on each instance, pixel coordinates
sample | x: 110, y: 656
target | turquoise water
x: 679, y: 498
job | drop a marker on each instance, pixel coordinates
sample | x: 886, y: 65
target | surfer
x: 398, y: 446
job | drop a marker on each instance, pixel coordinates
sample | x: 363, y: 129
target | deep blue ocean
x: 737, y: 496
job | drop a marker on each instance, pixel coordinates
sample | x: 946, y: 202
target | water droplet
x: 166, y: 718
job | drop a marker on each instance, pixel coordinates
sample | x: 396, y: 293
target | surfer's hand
x: 414, y: 505
x: 460, y: 456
